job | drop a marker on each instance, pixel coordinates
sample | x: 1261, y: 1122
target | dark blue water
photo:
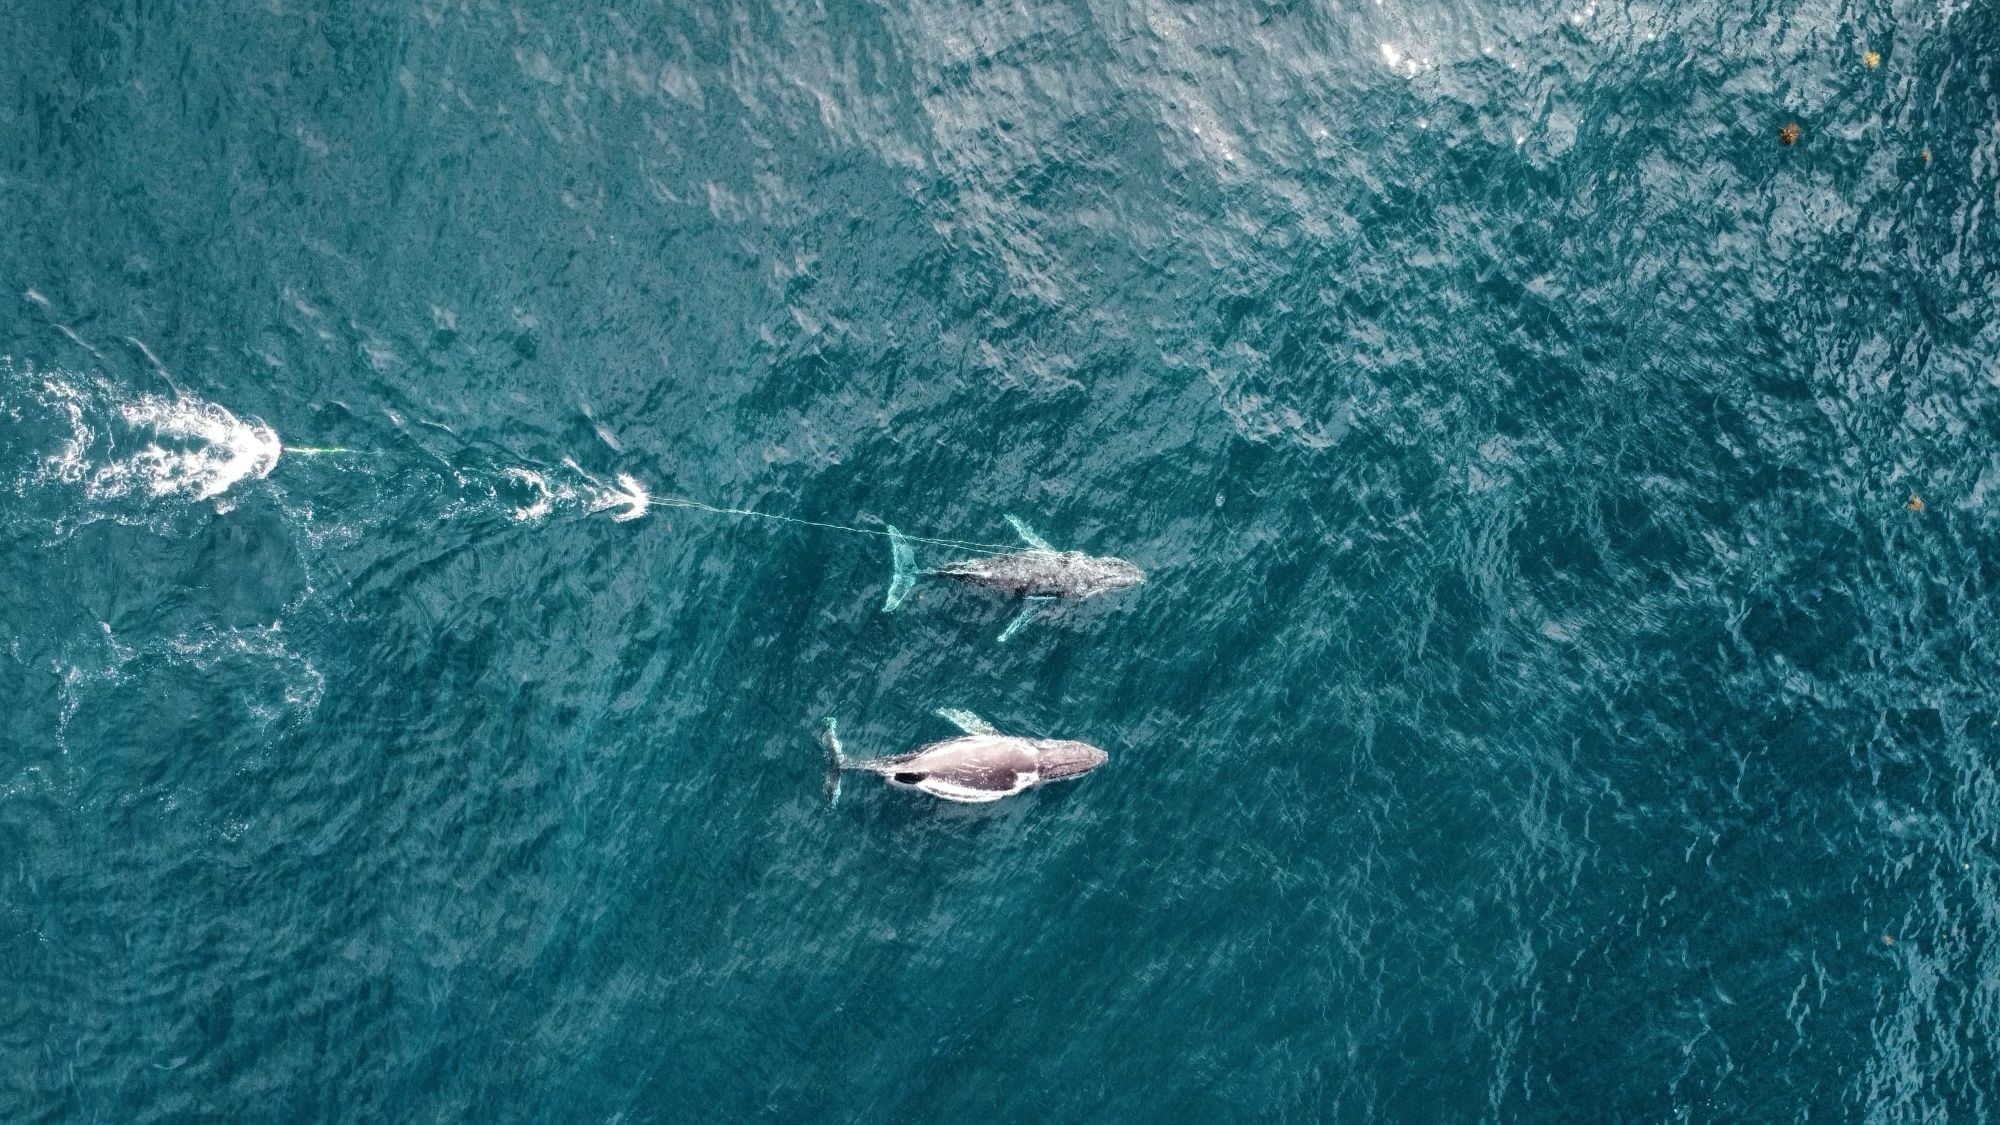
x: 1565, y: 689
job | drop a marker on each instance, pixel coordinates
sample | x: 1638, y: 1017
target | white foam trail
x: 628, y: 501
x: 302, y: 684
x: 193, y: 448
x: 252, y: 665
x: 544, y: 500
x: 71, y: 462
x: 153, y: 446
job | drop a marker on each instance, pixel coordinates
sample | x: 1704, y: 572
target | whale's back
x: 987, y: 767
x: 1045, y: 574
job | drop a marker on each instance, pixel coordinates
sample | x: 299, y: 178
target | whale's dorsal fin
x: 966, y: 721
x: 1028, y: 535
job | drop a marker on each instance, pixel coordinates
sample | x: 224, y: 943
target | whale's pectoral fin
x: 1028, y: 611
x: 829, y: 736
x: 966, y: 721
x: 904, y: 558
x: 1028, y: 535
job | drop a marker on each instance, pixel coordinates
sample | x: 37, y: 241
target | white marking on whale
x: 981, y: 765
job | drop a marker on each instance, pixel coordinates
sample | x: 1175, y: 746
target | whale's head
x: 1104, y: 575
x: 1059, y: 758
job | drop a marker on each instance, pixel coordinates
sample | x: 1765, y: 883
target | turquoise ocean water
x: 1567, y: 688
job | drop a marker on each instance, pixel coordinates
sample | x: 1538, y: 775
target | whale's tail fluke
x: 904, y: 558
x: 829, y: 736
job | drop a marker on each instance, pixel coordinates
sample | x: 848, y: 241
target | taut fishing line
x: 634, y: 500
x: 119, y: 445
x: 884, y: 533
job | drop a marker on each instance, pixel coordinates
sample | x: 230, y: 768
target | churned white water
x: 114, y: 443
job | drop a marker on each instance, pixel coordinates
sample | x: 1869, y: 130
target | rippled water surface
x: 1565, y: 688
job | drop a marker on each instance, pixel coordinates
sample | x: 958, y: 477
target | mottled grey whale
x: 1039, y: 573
x: 980, y: 765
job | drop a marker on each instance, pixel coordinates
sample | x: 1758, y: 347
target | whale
x: 978, y: 766
x: 1038, y: 573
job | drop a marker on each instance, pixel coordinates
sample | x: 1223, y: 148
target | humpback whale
x: 980, y: 765
x: 1039, y: 573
